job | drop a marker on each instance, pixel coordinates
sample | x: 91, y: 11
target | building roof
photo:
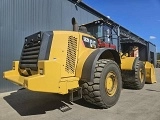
x: 98, y: 14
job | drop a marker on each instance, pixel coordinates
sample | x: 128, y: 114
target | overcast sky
x: 142, y: 17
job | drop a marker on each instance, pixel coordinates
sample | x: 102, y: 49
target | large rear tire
x: 105, y: 89
x: 134, y: 79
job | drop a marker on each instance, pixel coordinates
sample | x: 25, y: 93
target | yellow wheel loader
x: 66, y: 62
x: 80, y: 61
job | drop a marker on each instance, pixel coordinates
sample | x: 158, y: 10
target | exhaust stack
x: 75, y: 24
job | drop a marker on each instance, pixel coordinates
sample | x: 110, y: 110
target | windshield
x: 96, y: 30
x: 100, y: 31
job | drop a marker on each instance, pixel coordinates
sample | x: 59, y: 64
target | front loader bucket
x: 150, y: 73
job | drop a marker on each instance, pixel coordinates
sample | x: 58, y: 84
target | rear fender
x: 89, y: 65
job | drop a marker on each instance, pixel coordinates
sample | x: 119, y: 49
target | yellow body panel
x: 59, y: 49
x: 127, y: 63
x: 83, y: 55
x: 81, y: 60
x: 49, y: 81
x: 150, y: 73
x: 61, y: 72
x: 68, y: 84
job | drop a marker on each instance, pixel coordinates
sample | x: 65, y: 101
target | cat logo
x: 89, y: 42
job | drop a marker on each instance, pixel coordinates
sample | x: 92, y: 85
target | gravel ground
x: 133, y: 105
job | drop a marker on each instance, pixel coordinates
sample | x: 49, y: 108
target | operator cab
x: 100, y: 30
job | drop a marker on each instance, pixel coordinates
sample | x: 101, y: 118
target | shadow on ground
x: 83, y: 103
x: 32, y: 103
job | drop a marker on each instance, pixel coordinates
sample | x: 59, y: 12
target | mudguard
x: 89, y: 65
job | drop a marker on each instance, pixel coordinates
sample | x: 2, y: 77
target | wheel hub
x: 111, y: 83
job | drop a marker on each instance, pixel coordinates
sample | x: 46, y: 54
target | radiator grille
x: 71, y: 54
x: 30, y: 52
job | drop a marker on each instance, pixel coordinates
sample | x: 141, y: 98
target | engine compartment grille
x: 30, y: 52
x: 71, y: 54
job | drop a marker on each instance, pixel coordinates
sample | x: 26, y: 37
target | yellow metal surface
x: 63, y: 69
x: 81, y: 60
x: 59, y: 51
x: 12, y: 75
x: 68, y: 84
x: 49, y: 81
x: 150, y: 73
x: 111, y: 83
x: 83, y: 54
x: 127, y: 63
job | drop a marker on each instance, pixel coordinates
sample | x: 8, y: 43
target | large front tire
x: 105, y: 89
